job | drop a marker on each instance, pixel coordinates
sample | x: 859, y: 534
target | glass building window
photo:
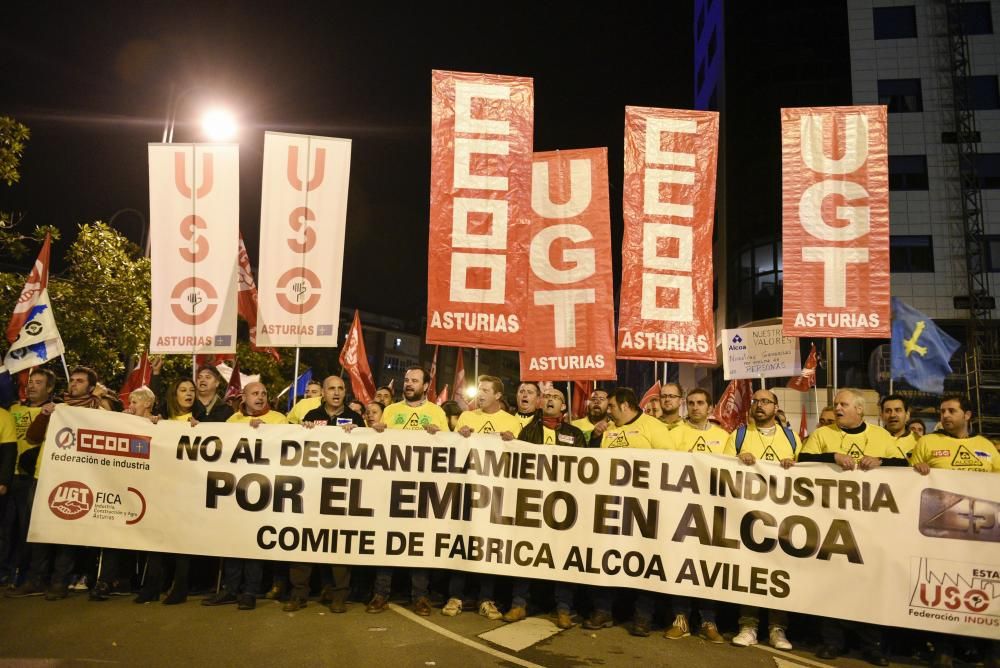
x: 760, y: 281
x: 992, y: 244
x: 975, y: 18
x: 895, y: 22
x: 911, y: 254
x: 988, y: 170
x: 907, y: 172
x: 900, y: 95
x: 984, y: 92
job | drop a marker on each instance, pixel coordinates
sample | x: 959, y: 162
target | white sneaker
x: 80, y: 585
x: 488, y: 609
x: 746, y: 637
x: 777, y: 639
x: 452, y: 607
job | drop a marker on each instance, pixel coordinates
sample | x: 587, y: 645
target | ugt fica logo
x: 71, y: 500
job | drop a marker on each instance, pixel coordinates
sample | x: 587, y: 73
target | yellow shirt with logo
x: 874, y: 441
x: 8, y: 432
x: 23, y: 415
x: 774, y: 448
x: 643, y: 432
x: 711, y: 440
x: 301, y: 407
x: 941, y: 451
x: 585, y: 425
x: 489, y: 423
x: 673, y: 425
x: 270, y: 417
x: 401, y: 415
x: 524, y: 420
x: 903, y: 446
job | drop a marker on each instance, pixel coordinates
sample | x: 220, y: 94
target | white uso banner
x: 194, y: 227
x: 303, y: 213
x: 811, y: 539
x: 759, y: 352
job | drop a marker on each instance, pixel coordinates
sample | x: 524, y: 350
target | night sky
x: 92, y: 81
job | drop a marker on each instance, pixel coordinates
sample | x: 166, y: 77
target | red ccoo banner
x: 481, y: 139
x: 569, y: 331
x: 669, y: 208
x: 835, y: 211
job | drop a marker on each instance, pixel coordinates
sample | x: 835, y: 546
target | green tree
x: 13, y: 139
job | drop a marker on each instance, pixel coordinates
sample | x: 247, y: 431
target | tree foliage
x: 13, y: 139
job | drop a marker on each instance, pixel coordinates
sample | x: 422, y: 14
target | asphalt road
x: 75, y: 631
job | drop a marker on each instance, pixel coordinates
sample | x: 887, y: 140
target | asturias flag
x: 921, y: 352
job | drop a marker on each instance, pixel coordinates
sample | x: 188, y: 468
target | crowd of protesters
x: 614, y: 419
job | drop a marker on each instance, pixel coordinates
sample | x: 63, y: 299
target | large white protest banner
x: 919, y: 551
x: 759, y: 352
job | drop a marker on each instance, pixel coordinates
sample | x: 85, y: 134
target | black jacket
x: 566, y: 434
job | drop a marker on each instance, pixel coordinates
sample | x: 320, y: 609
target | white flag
x: 39, y: 340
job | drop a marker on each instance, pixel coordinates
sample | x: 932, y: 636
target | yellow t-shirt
x: 301, y: 407
x: 586, y: 426
x: 874, y: 441
x: 643, y: 432
x: 524, y: 420
x: 774, y: 448
x: 401, y: 415
x: 8, y: 431
x: 673, y: 425
x: 711, y: 440
x: 270, y: 417
x: 23, y: 415
x: 940, y: 451
x: 183, y: 417
x: 489, y: 423
x: 902, y: 447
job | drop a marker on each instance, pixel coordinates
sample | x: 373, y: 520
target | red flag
x: 803, y: 429
x: 37, y: 281
x: 582, y: 389
x: 458, y: 387
x: 246, y: 300
x: 652, y: 393
x: 354, y: 360
x: 803, y: 382
x: 235, y: 387
x: 732, y: 407
x: 835, y: 222
x: 432, y: 386
x: 443, y: 397
x: 136, y: 378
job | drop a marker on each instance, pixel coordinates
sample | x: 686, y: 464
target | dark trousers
x: 420, y: 582
x: 248, y: 573
x: 681, y: 605
x: 14, y: 552
x: 645, y: 602
x: 521, y: 593
x: 833, y: 632
x: 299, y: 574
x: 456, y: 586
x: 156, y: 568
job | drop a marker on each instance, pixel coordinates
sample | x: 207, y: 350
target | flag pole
x: 194, y: 369
x: 476, y: 365
x: 65, y: 368
x: 834, y: 364
x: 569, y: 400
x: 295, y: 378
x: 763, y: 383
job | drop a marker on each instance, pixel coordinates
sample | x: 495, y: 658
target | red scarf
x: 552, y: 422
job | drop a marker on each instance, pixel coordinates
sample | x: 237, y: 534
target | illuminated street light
x: 470, y: 392
x: 219, y: 125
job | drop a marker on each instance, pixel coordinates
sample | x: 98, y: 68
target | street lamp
x: 217, y: 124
x: 144, y: 243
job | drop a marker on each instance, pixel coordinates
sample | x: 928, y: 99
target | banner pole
x: 65, y: 368
x: 476, y: 365
x: 656, y: 371
x: 666, y: 372
x: 295, y: 378
x: 569, y: 399
x: 763, y: 383
x: 834, y: 363
x: 890, y: 383
x: 816, y: 401
x: 194, y: 369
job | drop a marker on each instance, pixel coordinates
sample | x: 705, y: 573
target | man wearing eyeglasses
x: 763, y: 440
x: 671, y: 395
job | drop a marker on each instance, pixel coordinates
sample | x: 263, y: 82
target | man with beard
x: 671, y: 395
x: 954, y: 447
x: 596, y: 420
x: 14, y: 553
x: 489, y: 418
x: 895, y: 414
x: 332, y: 413
x: 632, y: 429
x: 414, y: 412
x: 547, y: 428
x: 45, y: 557
x: 529, y: 396
x: 763, y: 440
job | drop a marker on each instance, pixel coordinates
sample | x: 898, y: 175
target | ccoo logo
x: 71, y: 500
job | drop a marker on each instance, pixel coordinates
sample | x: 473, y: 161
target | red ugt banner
x: 835, y: 212
x: 569, y: 331
x: 481, y: 139
x: 669, y: 209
